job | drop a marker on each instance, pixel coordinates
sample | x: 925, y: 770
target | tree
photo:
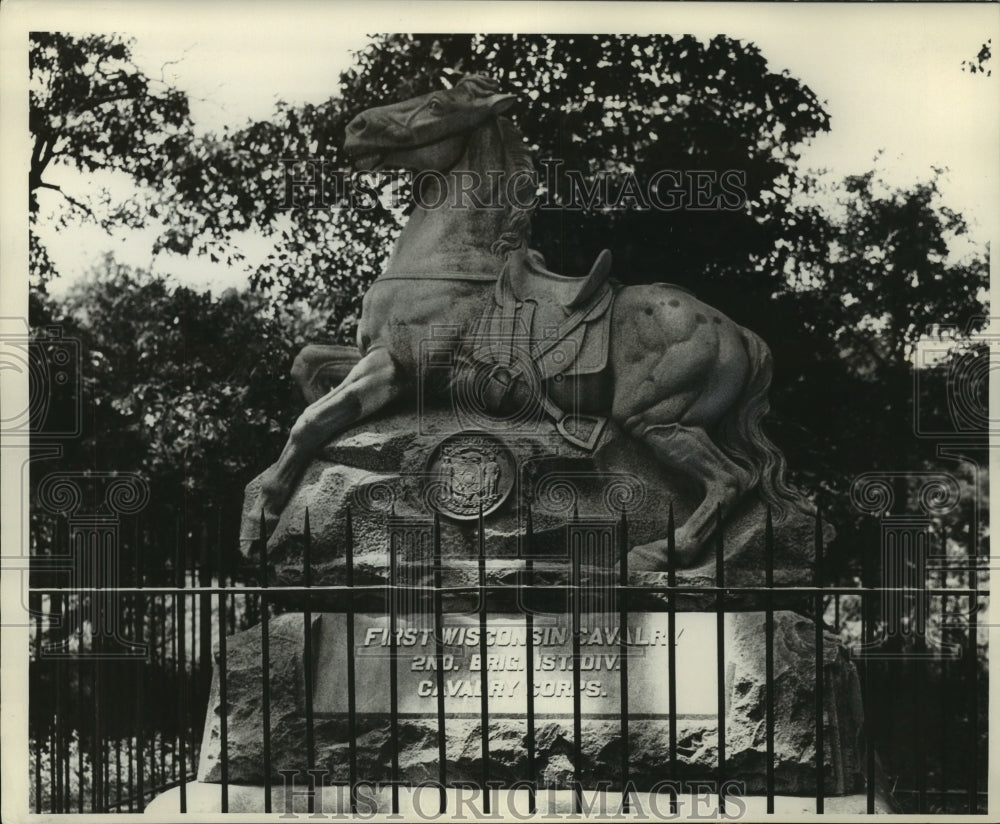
x: 869, y: 276
x: 189, y: 390
x: 600, y: 104
x: 92, y: 109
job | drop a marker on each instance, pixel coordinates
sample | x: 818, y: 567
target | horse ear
x: 499, y: 103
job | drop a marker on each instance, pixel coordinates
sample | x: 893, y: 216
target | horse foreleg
x: 689, y: 451
x: 370, y: 385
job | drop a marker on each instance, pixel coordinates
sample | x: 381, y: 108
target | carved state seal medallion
x: 469, y: 471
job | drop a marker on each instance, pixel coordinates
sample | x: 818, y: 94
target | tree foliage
x: 981, y: 63
x: 93, y: 110
x: 599, y: 104
x: 841, y: 281
x: 188, y: 389
x: 868, y: 276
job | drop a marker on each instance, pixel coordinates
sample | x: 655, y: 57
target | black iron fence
x: 120, y: 674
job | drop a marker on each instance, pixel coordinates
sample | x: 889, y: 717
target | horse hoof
x: 653, y: 557
x: 648, y: 558
x: 263, y: 511
x: 261, y: 514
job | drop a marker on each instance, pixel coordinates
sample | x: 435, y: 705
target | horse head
x: 428, y: 132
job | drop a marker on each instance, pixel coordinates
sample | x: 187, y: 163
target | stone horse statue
x: 678, y: 375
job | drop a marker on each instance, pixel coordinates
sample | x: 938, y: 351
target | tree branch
x: 47, y: 155
x: 82, y: 206
x: 36, y: 154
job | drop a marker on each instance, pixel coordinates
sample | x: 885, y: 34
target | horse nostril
x: 357, y: 125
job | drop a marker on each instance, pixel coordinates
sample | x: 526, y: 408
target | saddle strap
x: 582, y: 315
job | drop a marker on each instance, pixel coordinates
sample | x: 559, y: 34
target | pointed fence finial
x: 307, y: 550
x: 720, y: 552
x: 481, y: 530
x: 818, y: 546
x: 769, y: 548
x: 349, y: 546
x: 263, y: 549
x: 671, y: 546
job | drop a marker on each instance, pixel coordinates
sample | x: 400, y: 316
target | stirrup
x: 586, y: 429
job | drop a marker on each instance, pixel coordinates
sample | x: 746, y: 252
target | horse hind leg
x: 690, y: 452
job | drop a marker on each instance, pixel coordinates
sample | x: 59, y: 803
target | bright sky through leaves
x: 891, y: 79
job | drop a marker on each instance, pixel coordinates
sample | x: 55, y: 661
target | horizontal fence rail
x: 121, y: 673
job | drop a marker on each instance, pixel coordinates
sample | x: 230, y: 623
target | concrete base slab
x: 422, y: 803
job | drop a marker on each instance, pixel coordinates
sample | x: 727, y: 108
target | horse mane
x: 518, y: 161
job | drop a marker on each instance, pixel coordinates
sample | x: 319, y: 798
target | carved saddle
x: 541, y: 324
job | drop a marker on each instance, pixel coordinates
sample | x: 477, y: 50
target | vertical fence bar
x: 35, y: 605
x: 868, y: 635
x: 672, y: 651
x: 192, y: 690
x: 820, y: 688
x: 134, y: 639
x: 439, y: 669
x: 575, y: 552
x: 96, y: 762
x: 769, y: 655
x: 352, y: 709
x: 161, y: 739
x: 58, y: 805
x: 81, y: 655
x: 64, y: 674
x: 307, y: 660
x: 223, y: 683
x: 61, y: 643
x: 393, y: 671
x: 139, y: 636
x: 220, y: 536
x: 67, y: 799
x: 972, y: 675
x: 265, y: 658
x: 131, y: 774
x: 919, y: 669
x: 623, y: 652
x: 106, y: 756
x: 175, y: 632
x: 945, y: 715
x: 720, y: 641
x: 125, y: 612
x: 529, y: 665
x: 52, y: 773
x: 180, y: 622
x: 153, y: 660
x: 484, y: 701
x: 205, y: 620
x: 891, y: 669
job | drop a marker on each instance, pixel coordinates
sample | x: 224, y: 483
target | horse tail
x: 742, y: 438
